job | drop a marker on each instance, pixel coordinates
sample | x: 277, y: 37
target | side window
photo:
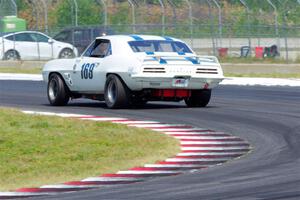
x: 40, y: 37
x: 88, y: 51
x: 180, y: 47
x: 11, y: 37
x: 21, y: 37
x: 99, y: 49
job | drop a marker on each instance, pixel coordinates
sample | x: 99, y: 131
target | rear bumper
x: 194, y: 83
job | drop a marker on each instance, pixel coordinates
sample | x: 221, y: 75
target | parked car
x: 32, y: 45
x: 81, y: 37
x: 129, y: 70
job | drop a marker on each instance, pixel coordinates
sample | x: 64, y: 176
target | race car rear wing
x: 165, y: 58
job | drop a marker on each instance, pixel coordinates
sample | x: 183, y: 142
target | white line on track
x: 178, y: 129
x: 64, y: 186
x: 215, y: 148
x: 174, y: 165
x: 23, y: 194
x: 210, y: 154
x: 157, y: 125
x: 21, y: 77
x: 147, y: 172
x: 213, y: 142
x: 136, y: 122
x: 103, y: 179
x: 103, y: 118
x: 261, y: 81
x: 193, y: 133
x: 56, y: 114
x: 195, y: 159
x: 207, y: 137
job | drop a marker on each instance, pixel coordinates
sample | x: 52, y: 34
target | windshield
x: 159, y: 46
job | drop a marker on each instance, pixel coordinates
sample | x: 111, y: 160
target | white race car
x: 129, y: 70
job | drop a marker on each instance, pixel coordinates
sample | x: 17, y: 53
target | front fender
x: 59, y: 65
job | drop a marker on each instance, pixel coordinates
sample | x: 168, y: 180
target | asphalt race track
x: 267, y: 117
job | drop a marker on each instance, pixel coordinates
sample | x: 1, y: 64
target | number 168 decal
x: 87, y: 70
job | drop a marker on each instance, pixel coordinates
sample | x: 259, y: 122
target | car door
x: 89, y: 74
x: 26, y: 46
x: 45, y: 46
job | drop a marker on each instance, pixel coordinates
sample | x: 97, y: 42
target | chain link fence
x: 233, y: 28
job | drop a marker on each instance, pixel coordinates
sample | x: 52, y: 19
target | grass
x: 273, y: 75
x: 22, y: 70
x: 37, y: 150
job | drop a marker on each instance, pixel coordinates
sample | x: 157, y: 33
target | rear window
x: 159, y: 46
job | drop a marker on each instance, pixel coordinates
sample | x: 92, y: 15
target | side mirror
x: 50, y: 41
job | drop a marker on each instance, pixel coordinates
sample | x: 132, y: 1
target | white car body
x: 38, y: 47
x: 138, y: 70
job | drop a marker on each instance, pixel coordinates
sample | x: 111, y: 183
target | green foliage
x: 122, y: 16
x: 21, y: 4
x: 89, y: 13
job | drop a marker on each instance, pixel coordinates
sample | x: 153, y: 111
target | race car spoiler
x: 163, y: 59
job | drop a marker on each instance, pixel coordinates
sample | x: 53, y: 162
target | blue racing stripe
x: 193, y: 60
x: 150, y: 59
x: 136, y: 37
x: 181, y: 53
x: 149, y: 53
x: 162, y: 61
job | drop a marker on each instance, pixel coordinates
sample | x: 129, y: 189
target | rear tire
x: 199, y: 98
x: 11, y: 55
x: 57, y: 91
x: 116, y: 93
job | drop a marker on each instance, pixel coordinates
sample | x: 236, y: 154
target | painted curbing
x: 200, y: 149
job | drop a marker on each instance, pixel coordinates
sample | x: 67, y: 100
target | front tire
x: 198, y: 98
x: 116, y: 93
x: 57, y: 91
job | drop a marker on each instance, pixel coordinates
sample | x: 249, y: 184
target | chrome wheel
x: 53, y: 89
x: 66, y: 53
x: 116, y: 93
x: 112, y: 92
x: 11, y: 55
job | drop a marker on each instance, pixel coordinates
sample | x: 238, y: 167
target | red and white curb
x: 200, y: 148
